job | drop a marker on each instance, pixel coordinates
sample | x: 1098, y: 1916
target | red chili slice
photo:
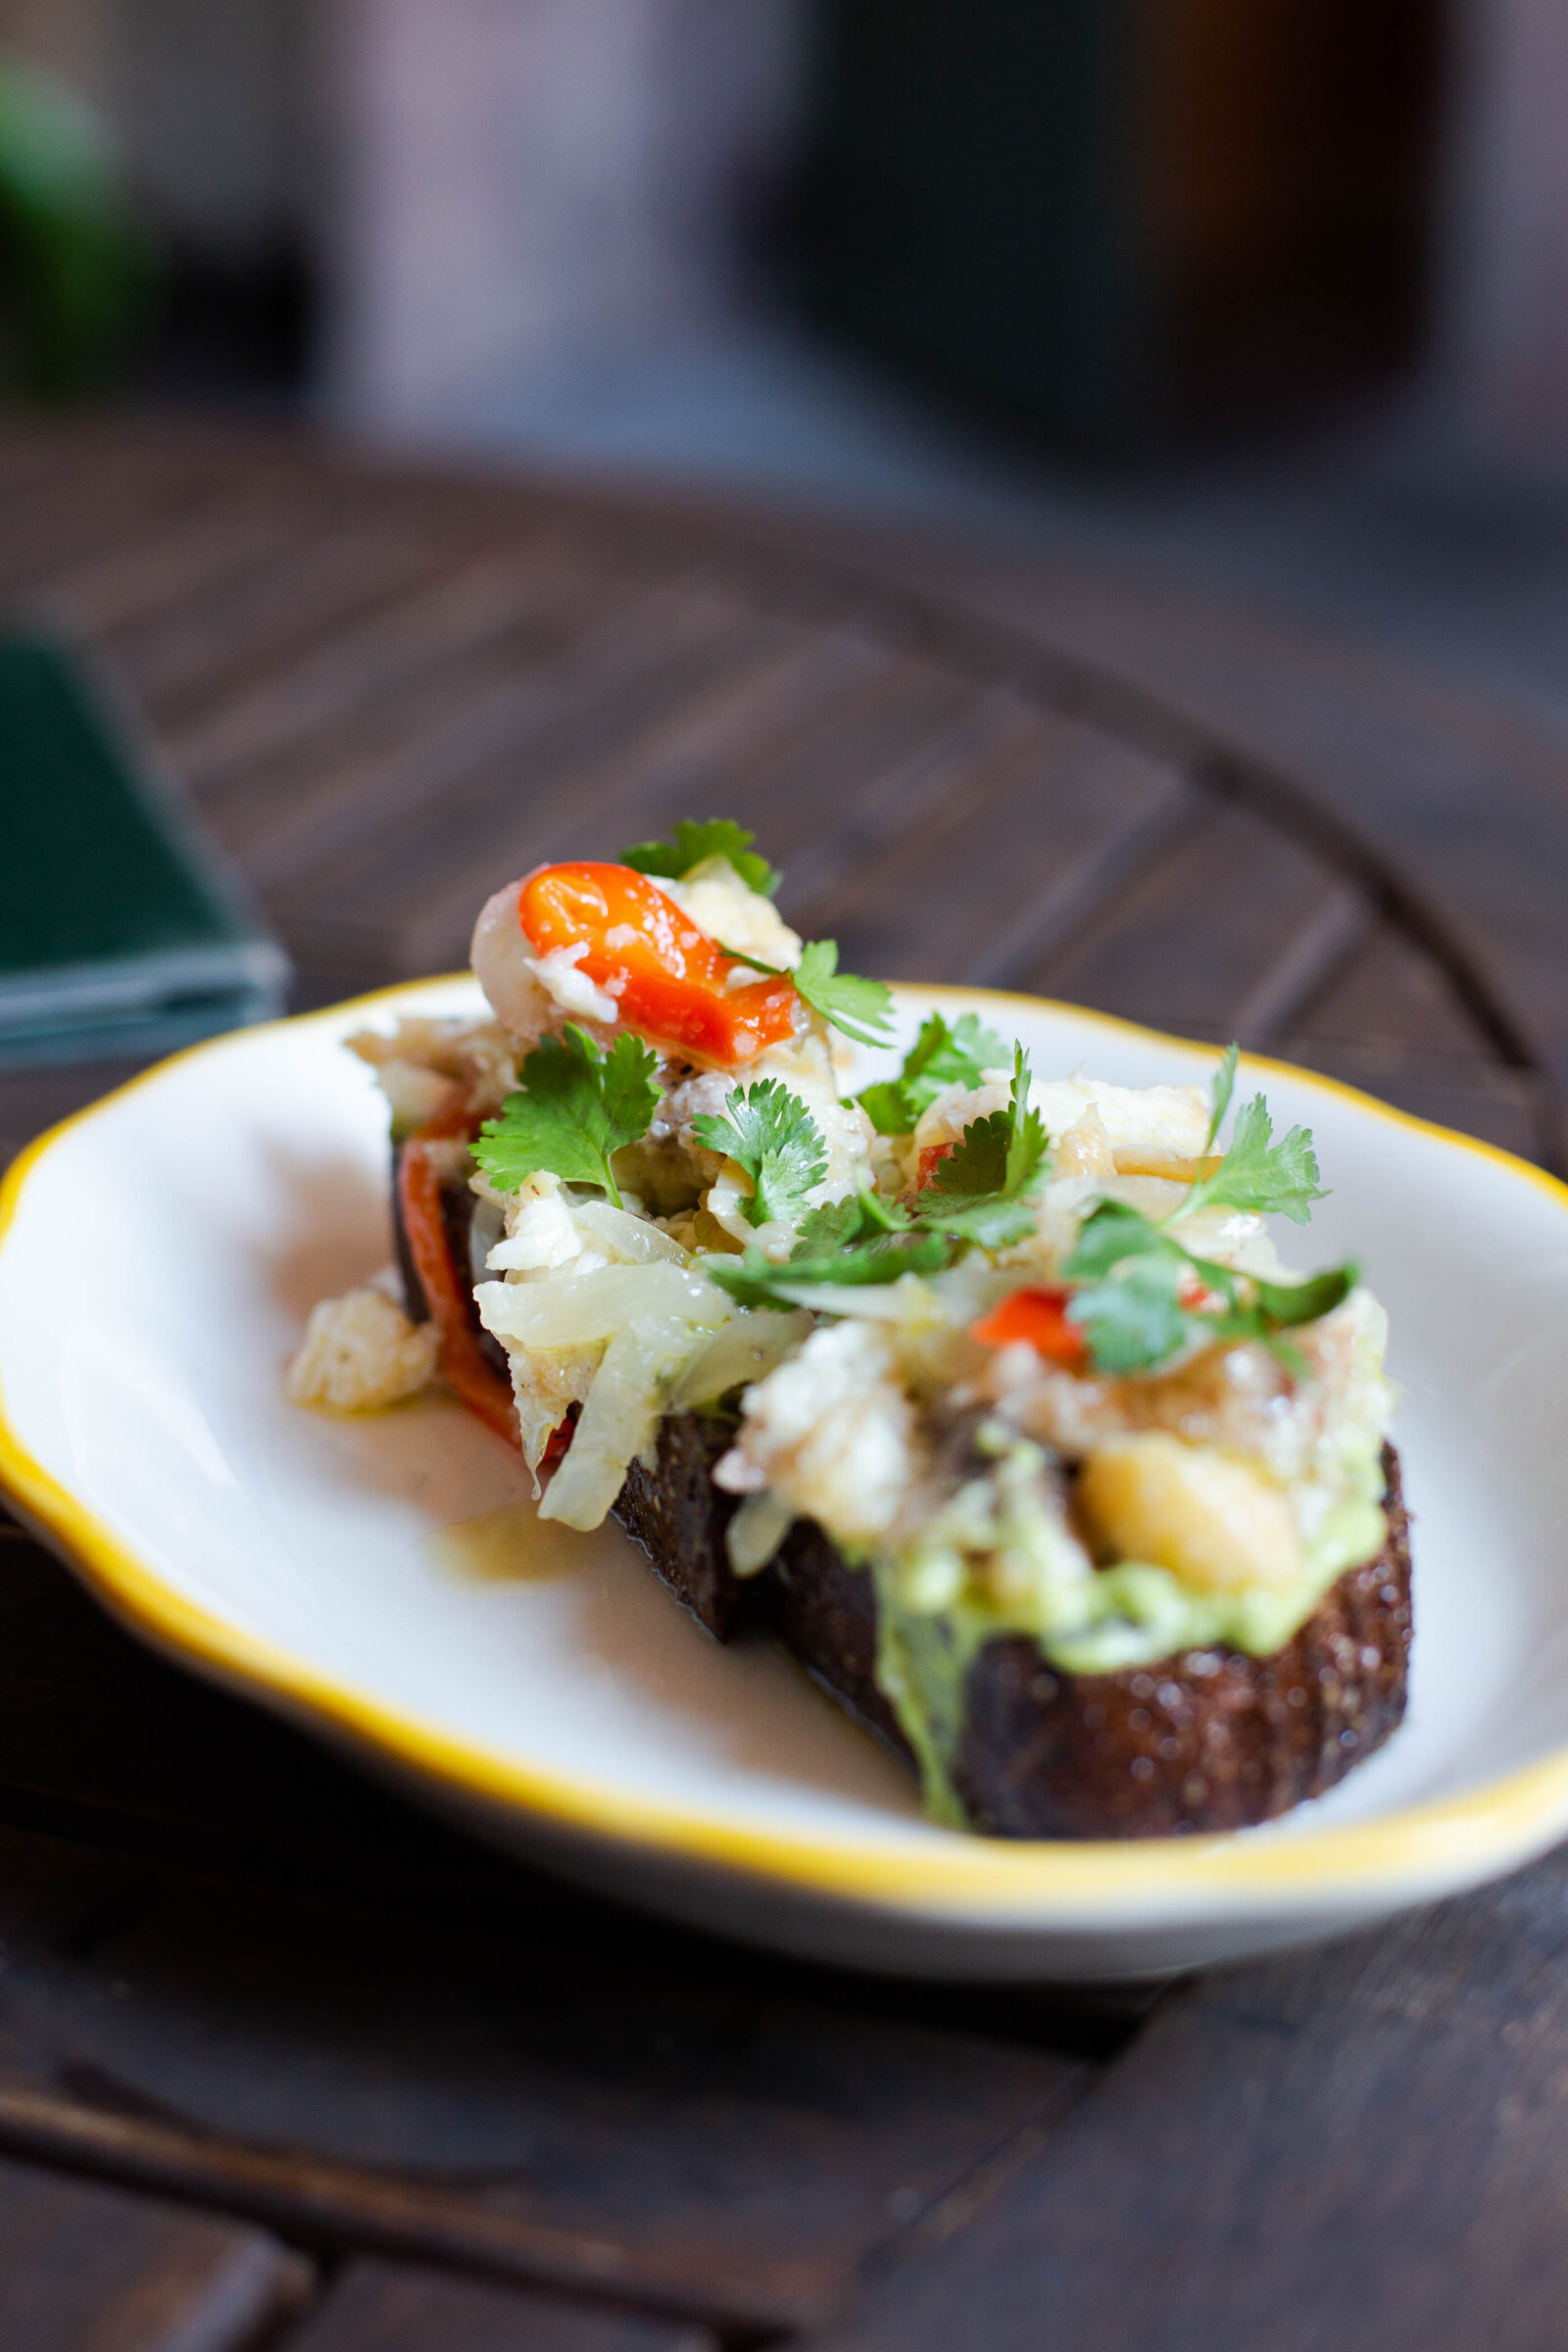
x: 669, y: 981
x: 1040, y: 1317
x: 448, y: 1297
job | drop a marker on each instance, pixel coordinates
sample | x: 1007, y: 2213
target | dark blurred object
x: 76, y: 269
x: 233, y: 330
x: 118, y: 934
x: 1127, y: 220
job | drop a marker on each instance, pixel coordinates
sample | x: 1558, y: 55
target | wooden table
x: 280, y: 2059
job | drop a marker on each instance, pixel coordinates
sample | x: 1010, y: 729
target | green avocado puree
x: 935, y: 1614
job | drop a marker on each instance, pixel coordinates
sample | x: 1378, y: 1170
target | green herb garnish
x: 1144, y: 1297
x: 862, y: 1009
x: 941, y: 1056
x: 866, y: 1239
x: 576, y: 1107
x: 715, y: 837
x: 769, y: 1133
x: 1255, y: 1173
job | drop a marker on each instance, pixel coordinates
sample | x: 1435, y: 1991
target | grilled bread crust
x: 1208, y: 1739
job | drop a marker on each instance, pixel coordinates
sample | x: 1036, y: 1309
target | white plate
x: 159, y: 1254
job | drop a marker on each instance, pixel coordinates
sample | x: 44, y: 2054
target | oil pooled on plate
x: 511, y: 1546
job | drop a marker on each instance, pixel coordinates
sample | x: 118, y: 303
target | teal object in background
x: 118, y: 934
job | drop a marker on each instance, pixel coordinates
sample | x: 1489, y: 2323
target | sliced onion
x: 567, y: 1311
x: 621, y: 1235
x: 738, y: 1353
x: 757, y: 1531
x: 619, y: 1420
x: 909, y: 1300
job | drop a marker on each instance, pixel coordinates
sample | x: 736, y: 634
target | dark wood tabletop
x: 283, y: 2062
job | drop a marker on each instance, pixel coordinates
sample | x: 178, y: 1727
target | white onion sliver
x: 618, y: 1419
x: 907, y: 1300
x: 757, y: 1531
x: 571, y: 1309
x: 631, y: 1238
x: 736, y: 1355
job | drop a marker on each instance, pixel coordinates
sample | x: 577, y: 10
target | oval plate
x: 158, y: 1256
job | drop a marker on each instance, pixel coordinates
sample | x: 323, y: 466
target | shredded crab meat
x: 831, y: 1432
x: 361, y: 1351
x: 1151, y: 1130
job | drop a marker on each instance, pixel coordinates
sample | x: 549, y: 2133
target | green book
x: 120, y: 933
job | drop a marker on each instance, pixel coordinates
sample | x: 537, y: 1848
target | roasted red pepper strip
x: 669, y: 979
x: 447, y: 1295
x: 1041, y: 1318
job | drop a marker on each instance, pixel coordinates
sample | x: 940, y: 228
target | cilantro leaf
x: 718, y: 837
x: 769, y: 1133
x: 577, y: 1106
x: 991, y: 1222
x: 940, y: 1058
x: 1258, y: 1174
x: 1144, y: 1297
x: 862, y: 1009
x: 1135, y: 1319
x: 839, y: 1224
x: 1286, y: 1304
x: 978, y: 1164
x: 1000, y: 1156
x: 1112, y: 1232
x: 1224, y: 1086
x: 755, y: 1281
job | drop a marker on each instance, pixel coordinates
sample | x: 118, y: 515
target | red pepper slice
x: 669, y: 980
x: 479, y: 1384
x: 1038, y: 1316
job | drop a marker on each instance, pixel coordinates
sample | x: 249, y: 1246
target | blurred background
x: 1268, y: 291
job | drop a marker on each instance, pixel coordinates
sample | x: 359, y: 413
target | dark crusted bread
x: 1208, y: 1739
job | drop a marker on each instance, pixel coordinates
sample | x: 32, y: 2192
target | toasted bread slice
x: 1208, y: 1739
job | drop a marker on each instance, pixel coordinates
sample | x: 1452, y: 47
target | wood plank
x: 104, y: 1742
x: 1506, y: 1107
x: 391, y: 649
x: 86, y: 2267
x: 98, y: 502
x: 1465, y: 799
x: 392, y: 2307
x: 386, y: 775
x: 212, y: 647
x: 612, y: 785
x: 1393, y: 1021
x: 1357, y: 2150
x: 509, y: 2100
x: 415, y: 884
x: 1007, y: 854
x: 1391, y: 992
x: 1223, y: 937
x: 231, y: 530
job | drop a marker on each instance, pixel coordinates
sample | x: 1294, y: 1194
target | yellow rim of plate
x: 1028, y: 1884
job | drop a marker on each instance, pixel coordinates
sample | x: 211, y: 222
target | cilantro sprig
x: 714, y: 837
x: 1255, y: 1173
x: 862, y: 1009
x: 860, y: 1241
x: 769, y: 1133
x: 941, y: 1056
x: 576, y: 1107
x: 1144, y: 1297
x: 866, y: 1239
